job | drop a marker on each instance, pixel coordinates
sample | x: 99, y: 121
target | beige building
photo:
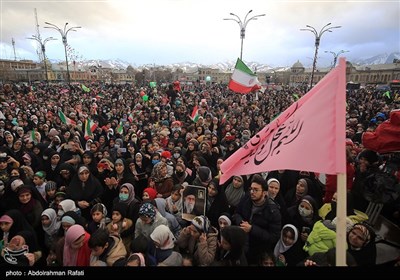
x: 297, y: 75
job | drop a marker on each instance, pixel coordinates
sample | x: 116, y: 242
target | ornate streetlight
x: 242, y: 25
x: 42, y: 45
x: 317, y: 41
x: 64, y: 33
x: 335, y: 56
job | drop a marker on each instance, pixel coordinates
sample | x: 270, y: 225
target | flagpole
x: 341, y: 234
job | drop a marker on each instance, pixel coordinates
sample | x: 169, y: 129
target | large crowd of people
x: 96, y: 176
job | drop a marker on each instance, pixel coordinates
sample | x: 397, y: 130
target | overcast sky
x: 171, y: 31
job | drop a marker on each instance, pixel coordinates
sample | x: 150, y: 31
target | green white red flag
x: 243, y: 80
x: 195, y: 114
x: 65, y: 119
x: 90, y: 126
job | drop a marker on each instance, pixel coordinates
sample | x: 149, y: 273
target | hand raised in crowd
x: 203, y: 238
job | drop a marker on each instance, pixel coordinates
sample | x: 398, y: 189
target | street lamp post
x: 317, y: 41
x: 42, y: 45
x: 242, y: 25
x: 335, y: 56
x: 64, y: 33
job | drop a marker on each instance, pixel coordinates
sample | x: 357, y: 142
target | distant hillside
x: 223, y: 66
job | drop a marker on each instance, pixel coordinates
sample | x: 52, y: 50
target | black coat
x: 266, y: 225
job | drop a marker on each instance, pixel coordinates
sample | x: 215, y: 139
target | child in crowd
x: 149, y: 194
x: 174, y: 201
x: 106, y: 249
x: 51, y: 189
x: 39, y: 179
x: 99, y: 218
x: 120, y: 225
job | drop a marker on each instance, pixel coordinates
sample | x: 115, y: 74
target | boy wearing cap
x: 39, y: 179
x: 199, y: 240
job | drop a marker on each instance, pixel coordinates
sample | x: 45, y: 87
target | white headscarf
x: 280, y: 247
x: 54, y: 224
x: 163, y: 236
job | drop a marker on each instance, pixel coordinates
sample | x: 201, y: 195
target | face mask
x: 45, y: 157
x: 180, y: 173
x: 304, y: 212
x: 60, y: 212
x: 123, y: 196
x: 176, y: 155
x: 134, y: 139
x: 155, y: 161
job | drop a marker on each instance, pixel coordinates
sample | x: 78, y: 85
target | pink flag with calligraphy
x: 309, y: 135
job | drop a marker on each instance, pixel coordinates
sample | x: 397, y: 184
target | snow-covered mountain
x: 378, y: 59
x: 223, y: 66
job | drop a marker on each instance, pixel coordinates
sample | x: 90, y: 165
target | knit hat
x: 201, y: 223
x: 166, y: 154
x: 121, y: 208
x: 6, y: 219
x: 50, y: 185
x: 16, y: 184
x: 151, y: 192
x: 147, y: 209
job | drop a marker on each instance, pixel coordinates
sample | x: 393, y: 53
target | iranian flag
x: 243, y: 80
x: 130, y: 117
x: 65, y: 119
x: 32, y: 136
x: 120, y: 128
x: 195, y: 114
x: 99, y: 95
x: 90, y: 126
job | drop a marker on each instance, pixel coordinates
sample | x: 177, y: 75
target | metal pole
x: 317, y: 39
x: 66, y: 58
x: 45, y: 63
x: 64, y: 34
x: 43, y: 48
x: 318, y: 36
x: 242, y: 25
x: 241, y: 45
